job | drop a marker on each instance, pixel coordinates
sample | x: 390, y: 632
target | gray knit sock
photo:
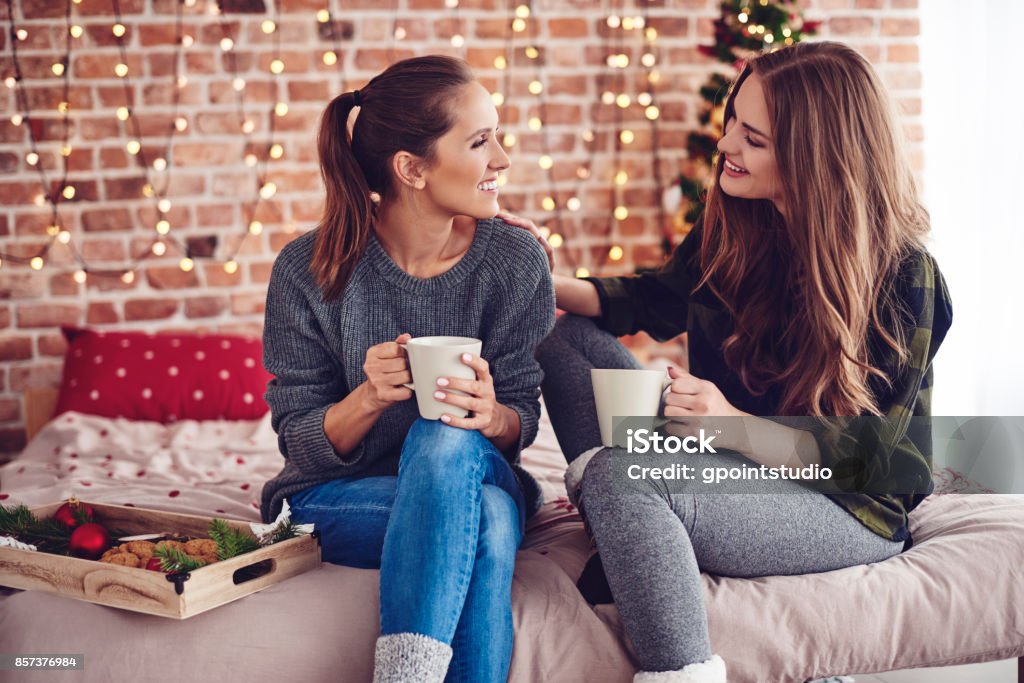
x: 410, y: 658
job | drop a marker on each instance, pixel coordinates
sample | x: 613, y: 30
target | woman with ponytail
x: 439, y: 506
x: 807, y: 292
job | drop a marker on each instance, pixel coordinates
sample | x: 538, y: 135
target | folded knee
x: 499, y: 526
x: 432, y: 443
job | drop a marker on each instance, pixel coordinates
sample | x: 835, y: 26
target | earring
x: 420, y: 184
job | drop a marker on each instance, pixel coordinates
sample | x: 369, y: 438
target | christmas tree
x: 744, y: 29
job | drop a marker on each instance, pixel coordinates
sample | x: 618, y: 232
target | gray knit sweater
x: 500, y: 292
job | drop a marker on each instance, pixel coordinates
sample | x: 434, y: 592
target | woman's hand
x: 480, y: 401
x: 527, y: 224
x: 693, y: 404
x: 387, y: 369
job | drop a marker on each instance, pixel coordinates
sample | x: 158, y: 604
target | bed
x: 956, y: 597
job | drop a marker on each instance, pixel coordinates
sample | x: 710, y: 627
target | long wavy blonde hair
x: 811, y: 293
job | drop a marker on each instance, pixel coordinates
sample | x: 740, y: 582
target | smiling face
x: 462, y: 180
x: 750, y: 171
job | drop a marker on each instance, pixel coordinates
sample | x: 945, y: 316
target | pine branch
x: 48, y: 535
x: 230, y: 541
x: 174, y: 560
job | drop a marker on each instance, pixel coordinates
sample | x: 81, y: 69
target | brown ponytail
x: 405, y: 108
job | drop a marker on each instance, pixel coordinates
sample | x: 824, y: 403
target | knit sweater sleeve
x: 523, y: 319
x: 308, y: 376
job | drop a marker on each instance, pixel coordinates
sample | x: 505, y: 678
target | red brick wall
x: 109, y: 219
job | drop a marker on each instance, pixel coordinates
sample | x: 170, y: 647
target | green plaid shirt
x: 663, y: 304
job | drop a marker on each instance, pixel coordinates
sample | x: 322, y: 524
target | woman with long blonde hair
x: 807, y: 292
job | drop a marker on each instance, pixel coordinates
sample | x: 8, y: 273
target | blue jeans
x: 444, y: 534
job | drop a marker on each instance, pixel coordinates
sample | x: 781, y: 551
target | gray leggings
x: 654, y: 543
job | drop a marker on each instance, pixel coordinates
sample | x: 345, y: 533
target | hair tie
x: 357, y: 98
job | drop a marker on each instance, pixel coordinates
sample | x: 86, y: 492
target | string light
x: 79, y: 276
x: 128, y: 277
x: 118, y: 30
x: 268, y: 26
x: 582, y: 272
x: 159, y: 248
x: 231, y: 267
x: 276, y: 151
x: 615, y: 253
x: 555, y: 241
x: 187, y: 264
x: 255, y: 227
x: 36, y: 263
x: 545, y: 162
x: 330, y: 58
x: 281, y: 109
x: 76, y: 31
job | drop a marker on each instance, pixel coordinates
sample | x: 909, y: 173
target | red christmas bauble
x: 155, y: 564
x: 89, y: 541
x: 66, y: 512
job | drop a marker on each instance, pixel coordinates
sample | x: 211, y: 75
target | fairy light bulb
x: 622, y: 100
x: 76, y: 31
x: 238, y: 84
x: 583, y: 173
x: 231, y: 267
x: 534, y: 123
x: 164, y: 205
x: 31, y: 158
x: 57, y: 69
x: 147, y: 190
x: 10, y: 81
x: 458, y: 40
x: 128, y: 277
x: 123, y: 113
x: 615, y: 253
x: 523, y: 11
x: 53, y: 230
x: 63, y: 236
x: 22, y: 34
x: 621, y: 178
x: 652, y: 112
x: 573, y: 204
x: 248, y: 126
x: 187, y: 40
x: 186, y: 264
x: 281, y: 109
x: 555, y: 241
x: 79, y: 277
x: 68, y: 192
x: 39, y: 199
x: 648, y: 60
x: 509, y: 140
x: 180, y: 123
x: 268, y: 190
x: 400, y: 33
x: 133, y: 147
x: 182, y: 81
x: 500, y: 62
x: 535, y: 87
x: 497, y: 98
x: 644, y: 99
x: 159, y: 248
x: 627, y: 23
x: 121, y: 70
x: 582, y: 272
x: 742, y: 17
x: 548, y: 204
x: 621, y: 213
x: 639, y: 22
x: 226, y: 44
x: 118, y: 30
x: 608, y: 97
x: 587, y: 135
x: 323, y: 16
x: 330, y: 58
x: 627, y: 137
x: 769, y: 39
x: 36, y: 263
x: 277, y: 66
x: 255, y: 227
x: 276, y: 151
x: 502, y: 180
x: 654, y: 77
x: 163, y: 226
x: 614, y: 21
x: 518, y: 25
x: 545, y: 162
x: 268, y: 26
x: 159, y: 163
x: 532, y: 52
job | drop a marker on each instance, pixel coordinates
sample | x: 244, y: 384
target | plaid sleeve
x: 656, y: 302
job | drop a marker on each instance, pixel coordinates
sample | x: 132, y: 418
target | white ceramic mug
x: 622, y: 393
x: 434, y: 357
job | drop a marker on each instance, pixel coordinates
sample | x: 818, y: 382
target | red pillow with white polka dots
x: 163, y: 377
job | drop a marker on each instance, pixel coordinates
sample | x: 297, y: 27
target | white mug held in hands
x: 433, y: 357
x: 626, y: 393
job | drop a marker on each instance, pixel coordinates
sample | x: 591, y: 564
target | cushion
x: 163, y: 378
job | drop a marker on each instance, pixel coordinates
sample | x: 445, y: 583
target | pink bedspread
x: 956, y: 597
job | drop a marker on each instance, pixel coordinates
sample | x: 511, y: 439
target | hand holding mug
x: 387, y: 371
x: 479, y: 399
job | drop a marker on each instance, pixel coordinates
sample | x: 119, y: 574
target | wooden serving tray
x: 178, y: 596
